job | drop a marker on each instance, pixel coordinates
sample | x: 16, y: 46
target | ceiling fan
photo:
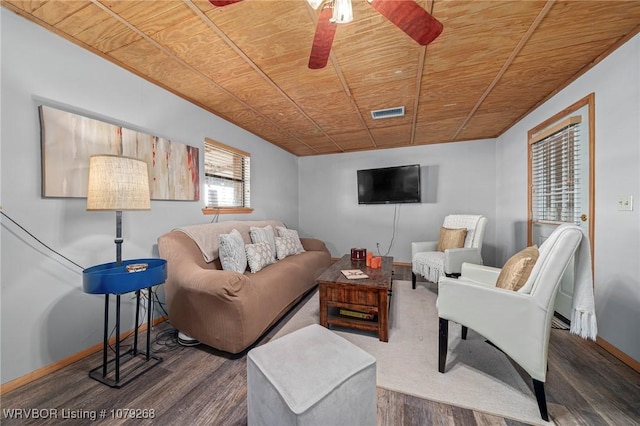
x: 407, y: 15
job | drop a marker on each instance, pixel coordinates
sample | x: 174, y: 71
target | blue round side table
x: 119, y: 278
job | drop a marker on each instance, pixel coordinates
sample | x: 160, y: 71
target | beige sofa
x: 229, y: 310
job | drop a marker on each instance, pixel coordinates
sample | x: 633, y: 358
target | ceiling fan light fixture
x: 314, y: 3
x: 342, y: 11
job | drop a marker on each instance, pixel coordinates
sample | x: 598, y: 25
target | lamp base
x: 132, y: 364
x: 112, y: 278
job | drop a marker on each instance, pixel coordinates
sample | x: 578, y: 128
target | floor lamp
x: 118, y: 183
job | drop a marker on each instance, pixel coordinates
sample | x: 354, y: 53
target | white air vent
x: 388, y: 113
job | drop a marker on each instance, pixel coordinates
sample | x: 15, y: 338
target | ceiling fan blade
x: 221, y: 3
x: 322, y: 40
x: 407, y: 15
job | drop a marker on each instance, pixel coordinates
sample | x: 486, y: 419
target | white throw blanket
x: 206, y: 240
x: 583, y: 313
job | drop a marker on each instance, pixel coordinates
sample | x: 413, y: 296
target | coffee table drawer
x: 354, y: 296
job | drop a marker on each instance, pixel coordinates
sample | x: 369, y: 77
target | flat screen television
x: 389, y: 185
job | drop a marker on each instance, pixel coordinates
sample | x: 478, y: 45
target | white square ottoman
x: 311, y: 377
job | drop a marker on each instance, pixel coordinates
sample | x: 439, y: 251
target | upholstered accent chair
x: 431, y: 259
x: 516, y: 322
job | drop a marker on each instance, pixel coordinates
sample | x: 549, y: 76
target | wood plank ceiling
x: 247, y: 63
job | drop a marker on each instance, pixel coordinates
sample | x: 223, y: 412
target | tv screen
x: 389, y: 185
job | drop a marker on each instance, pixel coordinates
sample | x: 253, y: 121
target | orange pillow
x: 516, y: 271
x: 451, y: 238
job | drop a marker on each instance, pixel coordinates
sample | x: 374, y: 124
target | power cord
x: 167, y: 341
x: 161, y: 305
x: 216, y: 216
x: 43, y: 244
x: 393, y: 235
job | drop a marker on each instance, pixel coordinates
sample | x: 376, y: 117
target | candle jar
x: 358, y: 254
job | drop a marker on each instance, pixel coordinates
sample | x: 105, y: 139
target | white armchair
x: 430, y: 263
x: 517, y: 322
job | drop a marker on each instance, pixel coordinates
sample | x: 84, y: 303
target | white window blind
x: 555, y: 174
x: 227, y: 175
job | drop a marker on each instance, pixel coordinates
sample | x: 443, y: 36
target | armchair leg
x: 465, y: 329
x: 443, y: 341
x: 413, y: 280
x: 538, y: 387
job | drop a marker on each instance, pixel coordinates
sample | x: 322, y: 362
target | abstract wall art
x: 68, y: 140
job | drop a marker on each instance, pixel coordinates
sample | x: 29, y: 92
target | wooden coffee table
x: 368, y: 295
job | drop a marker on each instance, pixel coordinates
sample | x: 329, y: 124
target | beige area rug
x: 477, y: 375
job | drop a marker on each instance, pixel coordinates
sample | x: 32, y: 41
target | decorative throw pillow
x: 232, y: 253
x: 451, y: 238
x: 516, y: 271
x: 259, y: 235
x: 285, y: 246
x: 259, y: 255
x: 285, y: 232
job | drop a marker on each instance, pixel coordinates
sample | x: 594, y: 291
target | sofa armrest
x: 207, y: 304
x: 313, y: 244
x: 211, y: 282
x: 420, y: 246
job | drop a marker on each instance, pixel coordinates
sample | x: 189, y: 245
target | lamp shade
x: 117, y: 183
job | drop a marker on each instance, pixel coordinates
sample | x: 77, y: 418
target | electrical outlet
x: 625, y: 203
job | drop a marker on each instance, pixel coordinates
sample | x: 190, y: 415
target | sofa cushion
x: 205, y: 235
x: 233, y: 256
x: 285, y: 246
x: 517, y: 269
x: 259, y: 255
x: 265, y: 234
x: 286, y: 232
x: 451, y: 238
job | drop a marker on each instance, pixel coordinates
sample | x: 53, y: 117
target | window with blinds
x: 227, y: 176
x: 555, y: 173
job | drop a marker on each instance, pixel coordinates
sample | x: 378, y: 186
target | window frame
x: 556, y: 150
x: 589, y: 102
x: 215, y: 210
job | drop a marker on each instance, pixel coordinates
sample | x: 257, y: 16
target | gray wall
x: 456, y: 178
x: 45, y: 314
x: 616, y: 84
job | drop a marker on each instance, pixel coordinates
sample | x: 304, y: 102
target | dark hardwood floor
x: 201, y: 386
